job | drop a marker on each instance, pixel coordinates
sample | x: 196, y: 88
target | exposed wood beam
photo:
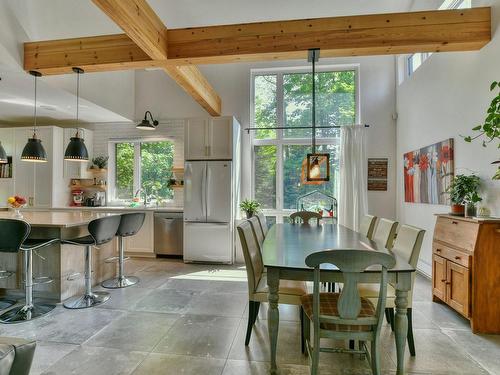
x: 140, y: 23
x: 430, y: 31
x: 439, y: 30
x: 145, y: 28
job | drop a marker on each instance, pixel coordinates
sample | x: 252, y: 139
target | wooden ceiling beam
x: 145, y: 28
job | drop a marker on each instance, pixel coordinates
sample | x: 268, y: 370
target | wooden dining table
x: 285, y: 249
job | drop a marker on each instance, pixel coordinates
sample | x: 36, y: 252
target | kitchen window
x: 142, y: 165
x: 282, y: 98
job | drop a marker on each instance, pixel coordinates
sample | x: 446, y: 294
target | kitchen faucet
x: 145, y: 195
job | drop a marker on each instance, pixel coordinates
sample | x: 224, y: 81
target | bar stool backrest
x: 104, y: 229
x: 12, y: 234
x: 130, y: 224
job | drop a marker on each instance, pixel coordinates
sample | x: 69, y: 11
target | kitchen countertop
x: 107, y: 208
x: 59, y: 219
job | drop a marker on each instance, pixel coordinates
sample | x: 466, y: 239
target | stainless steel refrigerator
x: 208, y: 211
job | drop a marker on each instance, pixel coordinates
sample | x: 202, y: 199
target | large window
x: 283, y: 98
x: 143, y: 165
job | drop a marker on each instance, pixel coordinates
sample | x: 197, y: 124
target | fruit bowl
x: 16, y: 203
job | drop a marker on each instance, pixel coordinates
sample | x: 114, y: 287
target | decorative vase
x: 458, y: 209
x: 470, y: 211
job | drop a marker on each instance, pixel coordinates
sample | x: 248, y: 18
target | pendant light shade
x: 76, y: 150
x: 145, y: 124
x: 34, y: 151
x: 3, y: 155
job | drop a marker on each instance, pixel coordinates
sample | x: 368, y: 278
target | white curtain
x: 353, y: 198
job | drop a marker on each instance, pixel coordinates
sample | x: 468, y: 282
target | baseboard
x: 424, y: 269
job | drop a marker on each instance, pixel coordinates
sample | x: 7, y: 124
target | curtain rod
x: 300, y: 127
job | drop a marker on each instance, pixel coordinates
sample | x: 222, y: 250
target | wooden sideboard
x: 466, y: 269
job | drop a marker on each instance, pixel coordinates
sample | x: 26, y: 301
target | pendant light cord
x: 314, y: 101
x: 77, y: 102
x: 34, y: 121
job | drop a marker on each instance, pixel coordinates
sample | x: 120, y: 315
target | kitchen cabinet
x: 210, y: 138
x: 142, y: 243
x: 466, y: 269
x: 7, y: 184
x: 76, y: 169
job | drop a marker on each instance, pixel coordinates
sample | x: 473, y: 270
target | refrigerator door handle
x: 203, y: 192
x: 208, y: 191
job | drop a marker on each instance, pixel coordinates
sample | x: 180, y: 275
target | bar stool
x: 13, y: 238
x: 101, y: 231
x: 130, y: 224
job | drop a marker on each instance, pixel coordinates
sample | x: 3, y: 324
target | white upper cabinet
x: 209, y: 138
x: 77, y: 169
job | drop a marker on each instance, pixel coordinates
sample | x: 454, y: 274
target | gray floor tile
x: 221, y: 304
x: 161, y: 364
x: 165, y: 301
x: 125, y: 298
x: 96, y: 361
x: 152, y: 279
x: 441, y: 315
x: 48, y: 353
x: 134, y: 331
x: 235, y: 367
x: 201, y: 336
x: 207, y: 285
x: 287, y: 312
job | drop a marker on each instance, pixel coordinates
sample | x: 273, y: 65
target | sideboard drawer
x: 459, y: 233
x: 451, y: 254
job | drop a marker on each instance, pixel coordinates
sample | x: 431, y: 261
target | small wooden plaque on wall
x: 377, y: 174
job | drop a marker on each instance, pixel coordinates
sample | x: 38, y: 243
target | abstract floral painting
x: 428, y: 173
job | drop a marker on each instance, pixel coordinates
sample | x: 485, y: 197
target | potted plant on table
x: 250, y: 207
x: 463, y: 192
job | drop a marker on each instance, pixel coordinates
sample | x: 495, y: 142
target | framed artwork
x: 377, y: 174
x: 428, y: 173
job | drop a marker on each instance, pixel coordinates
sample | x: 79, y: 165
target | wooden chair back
x: 251, y: 252
x: 385, y: 232
x: 351, y: 263
x: 367, y: 225
x: 304, y: 217
x: 263, y: 222
x: 259, y: 234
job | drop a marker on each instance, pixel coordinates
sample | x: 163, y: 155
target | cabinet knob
x: 443, y: 280
x: 448, y: 283
x: 458, y: 258
x: 438, y: 250
x: 454, y: 222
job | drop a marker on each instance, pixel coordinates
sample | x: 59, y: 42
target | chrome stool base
x: 24, y: 313
x: 120, y: 282
x: 87, y: 300
x: 6, y: 303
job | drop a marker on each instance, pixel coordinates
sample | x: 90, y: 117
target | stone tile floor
x: 191, y: 319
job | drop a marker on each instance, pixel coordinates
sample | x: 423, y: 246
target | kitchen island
x: 63, y: 263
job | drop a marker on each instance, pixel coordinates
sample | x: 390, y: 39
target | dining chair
x: 305, y: 217
x: 259, y: 234
x: 385, y: 232
x: 408, y: 244
x: 367, y: 225
x: 345, y: 315
x: 263, y: 222
x: 289, y: 291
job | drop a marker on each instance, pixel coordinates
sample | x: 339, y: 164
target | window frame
x: 137, y: 164
x: 280, y: 141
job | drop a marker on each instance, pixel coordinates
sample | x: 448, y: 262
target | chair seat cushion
x: 289, y: 293
x: 328, y: 306
x: 85, y: 240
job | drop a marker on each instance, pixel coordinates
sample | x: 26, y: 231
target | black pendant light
x: 3, y: 155
x: 145, y: 124
x: 34, y: 151
x: 316, y: 166
x: 76, y: 150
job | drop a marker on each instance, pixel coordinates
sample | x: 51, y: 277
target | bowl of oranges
x: 16, y: 202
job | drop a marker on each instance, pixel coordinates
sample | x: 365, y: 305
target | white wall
x: 158, y: 93
x: 445, y: 98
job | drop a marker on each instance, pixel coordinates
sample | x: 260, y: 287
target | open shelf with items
x: 6, y: 169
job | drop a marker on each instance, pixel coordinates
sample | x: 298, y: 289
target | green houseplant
x: 100, y: 162
x: 489, y: 130
x: 463, y: 192
x: 250, y: 207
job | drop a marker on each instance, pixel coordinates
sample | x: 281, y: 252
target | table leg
x: 401, y: 328
x: 273, y: 315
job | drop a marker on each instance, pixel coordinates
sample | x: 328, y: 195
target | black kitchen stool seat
x: 101, y: 231
x: 13, y: 238
x: 130, y: 224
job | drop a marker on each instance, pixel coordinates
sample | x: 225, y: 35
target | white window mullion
x: 137, y: 166
x: 280, y: 108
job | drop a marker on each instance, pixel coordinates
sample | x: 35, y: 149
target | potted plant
x: 489, y: 130
x: 463, y: 192
x: 100, y: 162
x: 250, y: 207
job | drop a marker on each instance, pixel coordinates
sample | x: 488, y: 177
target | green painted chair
x: 262, y: 222
x: 408, y: 244
x: 385, y: 232
x: 367, y: 225
x: 304, y: 217
x: 289, y: 293
x: 345, y: 315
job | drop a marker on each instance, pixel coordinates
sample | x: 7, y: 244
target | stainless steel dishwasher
x: 168, y: 228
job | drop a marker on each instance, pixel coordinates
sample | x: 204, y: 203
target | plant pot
x: 249, y: 214
x: 470, y: 211
x: 458, y: 209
